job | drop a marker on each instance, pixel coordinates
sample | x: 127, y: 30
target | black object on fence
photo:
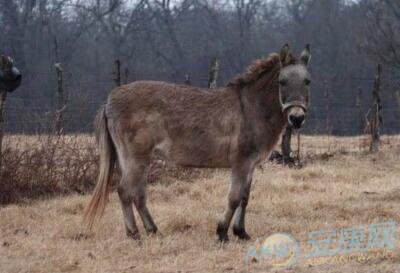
x: 10, y: 79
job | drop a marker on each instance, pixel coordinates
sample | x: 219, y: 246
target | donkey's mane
x: 258, y: 68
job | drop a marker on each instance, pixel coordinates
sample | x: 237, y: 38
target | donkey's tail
x: 98, y: 203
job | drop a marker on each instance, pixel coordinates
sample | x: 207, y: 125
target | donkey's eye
x: 307, y: 81
x: 282, y: 82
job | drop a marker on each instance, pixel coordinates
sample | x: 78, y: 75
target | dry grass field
x: 340, y: 185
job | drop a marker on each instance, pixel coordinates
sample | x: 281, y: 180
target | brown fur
x: 234, y: 127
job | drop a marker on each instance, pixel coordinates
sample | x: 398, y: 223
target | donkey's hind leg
x: 139, y: 199
x: 126, y: 198
x: 132, y: 189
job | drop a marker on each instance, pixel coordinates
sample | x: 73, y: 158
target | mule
x: 234, y: 127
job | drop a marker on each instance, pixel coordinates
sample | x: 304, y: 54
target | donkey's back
x: 182, y: 124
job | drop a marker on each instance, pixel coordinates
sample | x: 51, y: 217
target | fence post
x: 117, y: 72
x: 359, y: 110
x: 61, y: 102
x: 285, y: 145
x: 328, y: 108
x: 376, y: 111
x: 14, y: 78
x: 126, y: 75
x: 3, y: 96
x: 213, y: 74
x: 187, y: 79
x: 298, y: 148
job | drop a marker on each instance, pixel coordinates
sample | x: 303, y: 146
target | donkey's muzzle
x: 296, y: 113
x: 10, y: 80
x: 296, y: 120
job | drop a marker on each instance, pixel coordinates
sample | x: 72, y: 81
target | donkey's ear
x: 284, y: 54
x: 305, y: 56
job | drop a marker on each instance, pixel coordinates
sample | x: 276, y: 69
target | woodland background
x: 174, y: 40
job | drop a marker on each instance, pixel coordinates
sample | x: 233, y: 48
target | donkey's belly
x: 198, y: 154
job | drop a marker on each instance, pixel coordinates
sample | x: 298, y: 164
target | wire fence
x: 339, y: 107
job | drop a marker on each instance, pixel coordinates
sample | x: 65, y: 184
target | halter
x: 289, y: 104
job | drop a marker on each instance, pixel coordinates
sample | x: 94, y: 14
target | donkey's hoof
x: 241, y: 234
x: 222, y: 234
x: 152, y: 231
x: 223, y: 238
x: 155, y: 234
x: 133, y: 235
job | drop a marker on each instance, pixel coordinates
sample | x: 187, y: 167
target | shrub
x: 40, y: 166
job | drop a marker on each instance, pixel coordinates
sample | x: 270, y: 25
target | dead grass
x: 37, y: 167
x: 42, y: 166
x: 335, y: 189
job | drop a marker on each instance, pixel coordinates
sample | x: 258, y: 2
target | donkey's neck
x: 261, y: 98
x: 262, y: 112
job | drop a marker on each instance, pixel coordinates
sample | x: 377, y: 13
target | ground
x: 338, y: 187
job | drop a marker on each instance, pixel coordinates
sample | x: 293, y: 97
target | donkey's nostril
x: 296, y: 120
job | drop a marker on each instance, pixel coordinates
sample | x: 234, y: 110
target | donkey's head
x: 10, y: 77
x: 294, y: 86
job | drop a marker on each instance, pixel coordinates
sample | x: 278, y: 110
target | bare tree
x: 166, y: 40
x: 246, y: 12
x: 382, y: 30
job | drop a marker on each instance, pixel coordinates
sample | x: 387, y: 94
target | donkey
x: 234, y: 127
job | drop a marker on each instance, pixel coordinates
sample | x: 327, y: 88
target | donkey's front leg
x: 239, y: 178
x: 239, y: 217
